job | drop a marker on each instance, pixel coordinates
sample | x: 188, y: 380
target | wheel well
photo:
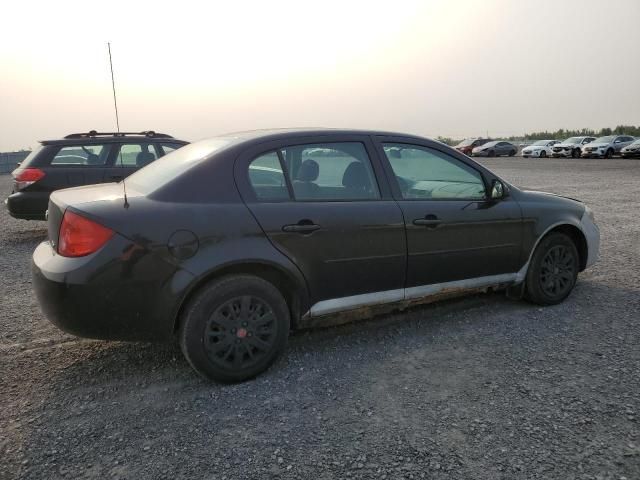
x: 273, y: 275
x: 579, y: 241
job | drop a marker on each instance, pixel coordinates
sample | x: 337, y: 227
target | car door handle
x: 302, y: 226
x: 429, y: 221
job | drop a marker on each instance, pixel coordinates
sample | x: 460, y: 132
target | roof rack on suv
x: 93, y: 133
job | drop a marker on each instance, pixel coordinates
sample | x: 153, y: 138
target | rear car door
x: 76, y: 165
x: 129, y: 157
x: 322, y: 203
x: 454, y: 231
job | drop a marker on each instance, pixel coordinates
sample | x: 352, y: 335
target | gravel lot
x: 482, y: 387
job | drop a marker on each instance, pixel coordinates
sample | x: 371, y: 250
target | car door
x: 76, y: 165
x: 126, y: 158
x: 323, y: 203
x: 454, y: 231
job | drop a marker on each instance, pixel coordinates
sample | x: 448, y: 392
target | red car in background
x: 467, y: 145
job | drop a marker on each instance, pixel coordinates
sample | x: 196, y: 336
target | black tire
x: 553, y: 270
x: 491, y: 153
x: 234, y: 328
x: 543, y: 154
x: 609, y: 153
x: 575, y: 153
x: 512, y: 153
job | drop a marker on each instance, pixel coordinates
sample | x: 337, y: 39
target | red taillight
x: 23, y: 177
x: 80, y: 236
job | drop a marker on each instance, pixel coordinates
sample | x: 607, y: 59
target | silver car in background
x: 571, y: 147
x: 495, y: 148
x: 632, y: 150
x: 606, y: 147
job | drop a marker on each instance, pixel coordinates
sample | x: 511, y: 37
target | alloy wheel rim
x: 558, y: 271
x: 240, y: 332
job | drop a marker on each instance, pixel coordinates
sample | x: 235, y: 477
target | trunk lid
x: 60, y: 200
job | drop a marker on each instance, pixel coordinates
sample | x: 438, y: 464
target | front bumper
x: 531, y: 154
x: 28, y: 205
x: 561, y: 154
x: 121, y: 292
x: 592, y: 235
x: 635, y: 153
x: 592, y: 154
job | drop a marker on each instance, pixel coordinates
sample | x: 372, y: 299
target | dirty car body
x: 341, y: 223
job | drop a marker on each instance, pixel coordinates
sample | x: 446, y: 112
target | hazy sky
x: 432, y: 67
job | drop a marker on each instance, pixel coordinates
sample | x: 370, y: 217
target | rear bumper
x: 28, y: 205
x: 120, y: 292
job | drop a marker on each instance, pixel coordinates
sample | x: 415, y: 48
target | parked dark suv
x: 227, y: 243
x: 81, y: 159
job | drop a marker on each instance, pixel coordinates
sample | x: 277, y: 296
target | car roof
x: 280, y: 133
x: 93, y: 137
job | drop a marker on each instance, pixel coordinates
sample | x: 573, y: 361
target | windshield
x: 490, y: 144
x: 466, y: 142
x: 637, y: 142
x: 608, y: 139
x: 573, y: 140
x: 160, y: 172
x: 541, y: 142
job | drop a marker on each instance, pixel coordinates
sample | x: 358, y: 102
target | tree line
x: 561, y: 134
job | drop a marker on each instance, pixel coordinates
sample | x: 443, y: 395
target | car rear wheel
x: 609, y: 153
x: 553, y: 270
x: 234, y: 328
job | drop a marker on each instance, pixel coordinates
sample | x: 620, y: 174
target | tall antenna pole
x: 115, y: 105
x: 113, y: 86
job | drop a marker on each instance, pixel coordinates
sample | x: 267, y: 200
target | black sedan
x: 228, y: 243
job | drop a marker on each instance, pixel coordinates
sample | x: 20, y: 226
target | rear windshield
x: 159, y: 173
x: 25, y: 163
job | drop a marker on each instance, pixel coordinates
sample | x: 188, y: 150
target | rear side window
x: 136, y: 155
x: 267, y: 178
x: 88, y: 155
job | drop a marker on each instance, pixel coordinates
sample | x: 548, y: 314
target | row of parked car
x: 574, y: 147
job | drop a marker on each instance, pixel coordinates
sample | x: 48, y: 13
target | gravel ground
x: 482, y: 387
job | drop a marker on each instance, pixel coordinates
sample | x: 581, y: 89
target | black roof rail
x: 93, y: 133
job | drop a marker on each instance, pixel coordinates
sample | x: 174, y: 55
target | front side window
x: 135, y: 155
x: 424, y: 173
x: 89, y: 155
x: 169, y: 147
x: 267, y: 178
x: 330, y: 172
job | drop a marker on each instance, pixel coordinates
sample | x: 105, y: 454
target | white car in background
x: 541, y: 148
x: 571, y: 147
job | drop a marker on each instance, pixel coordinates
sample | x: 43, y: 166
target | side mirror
x: 497, y: 190
x: 618, y: 141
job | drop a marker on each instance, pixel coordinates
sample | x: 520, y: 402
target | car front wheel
x: 234, y: 328
x: 553, y: 270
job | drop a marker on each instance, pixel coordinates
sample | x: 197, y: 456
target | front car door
x: 323, y: 203
x: 454, y: 231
